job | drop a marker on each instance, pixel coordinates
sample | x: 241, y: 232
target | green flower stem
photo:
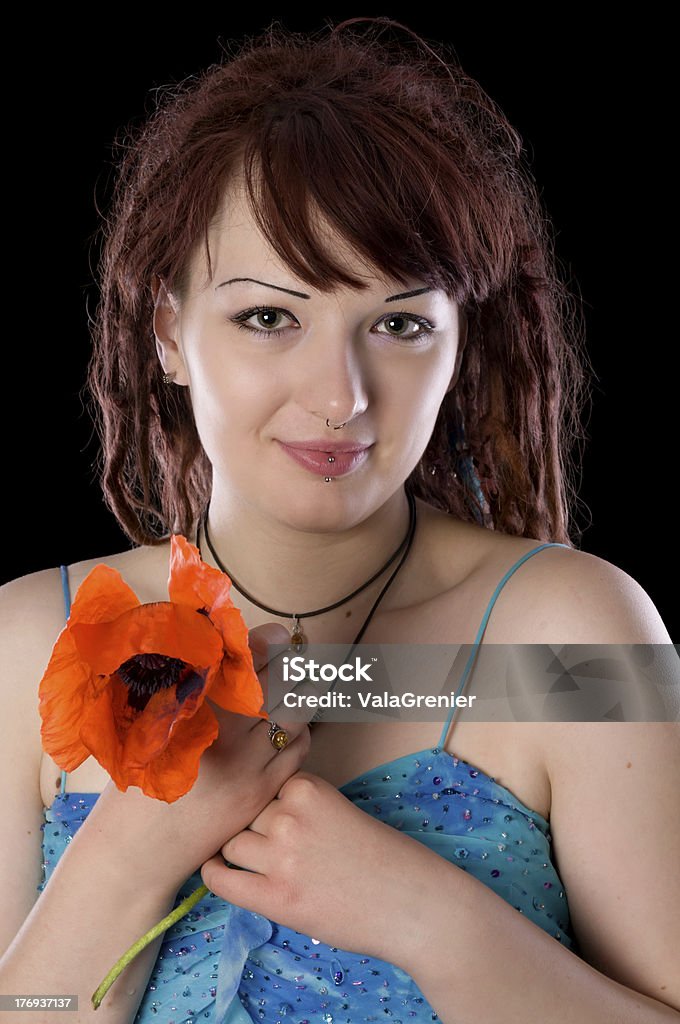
x: 184, y: 907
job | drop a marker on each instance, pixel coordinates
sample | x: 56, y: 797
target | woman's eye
x: 406, y: 325
x: 267, y: 320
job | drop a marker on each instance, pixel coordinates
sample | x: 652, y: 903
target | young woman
x: 334, y: 352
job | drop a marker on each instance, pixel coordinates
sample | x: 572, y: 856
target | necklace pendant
x: 297, y: 637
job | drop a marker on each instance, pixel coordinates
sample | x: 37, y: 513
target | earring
x: 169, y: 377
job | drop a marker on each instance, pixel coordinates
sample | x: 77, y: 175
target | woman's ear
x: 166, y: 330
x: 462, y: 341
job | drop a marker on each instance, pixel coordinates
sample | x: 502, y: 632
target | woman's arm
x: 31, y: 616
x: 64, y: 940
x: 90, y: 912
x: 616, y: 834
x: 122, y: 870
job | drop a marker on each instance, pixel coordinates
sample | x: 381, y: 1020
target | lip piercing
x: 328, y: 479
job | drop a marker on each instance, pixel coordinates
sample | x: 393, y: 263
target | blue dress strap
x: 66, y: 589
x: 482, y: 627
x: 67, y: 606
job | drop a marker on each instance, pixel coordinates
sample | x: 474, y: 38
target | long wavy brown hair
x: 418, y: 168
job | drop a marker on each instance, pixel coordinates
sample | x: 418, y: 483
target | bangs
x: 320, y: 159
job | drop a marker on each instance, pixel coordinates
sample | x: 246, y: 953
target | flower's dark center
x: 147, y: 674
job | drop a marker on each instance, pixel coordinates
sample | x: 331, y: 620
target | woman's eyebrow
x: 301, y: 295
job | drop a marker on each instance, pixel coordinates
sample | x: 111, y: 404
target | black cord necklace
x: 297, y: 636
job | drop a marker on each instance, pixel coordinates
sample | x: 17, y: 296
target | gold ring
x: 278, y: 737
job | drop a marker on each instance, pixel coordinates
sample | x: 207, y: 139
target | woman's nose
x: 331, y: 377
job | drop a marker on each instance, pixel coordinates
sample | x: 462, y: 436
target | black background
x: 581, y: 96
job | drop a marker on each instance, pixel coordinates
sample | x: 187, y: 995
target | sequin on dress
x: 226, y: 965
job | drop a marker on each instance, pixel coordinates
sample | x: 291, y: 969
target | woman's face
x: 381, y: 364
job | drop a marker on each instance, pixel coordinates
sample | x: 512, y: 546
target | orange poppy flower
x: 127, y: 682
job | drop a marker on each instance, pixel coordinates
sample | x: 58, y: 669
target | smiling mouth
x: 326, y: 462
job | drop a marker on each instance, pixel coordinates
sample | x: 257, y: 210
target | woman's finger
x: 270, y: 671
x: 259, y: 639
x: 247, y: 849
x: 244, y: 888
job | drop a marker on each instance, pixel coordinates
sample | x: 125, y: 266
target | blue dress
x: 226, y: 965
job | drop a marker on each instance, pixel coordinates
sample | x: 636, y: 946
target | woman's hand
x: 239, y: 774
x: 321, y: 866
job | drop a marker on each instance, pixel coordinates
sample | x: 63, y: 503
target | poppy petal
x: 230, y: 624
x: 174, y: 772
x: 110, y: 728
x: 151, y: 731
x: 125, y: 740
x: 168, y: 775
x: 162, y: 628
x: 61, y: 697
x: 105, y: 721
x: 191, y: 580
x: 102, y: 595
x: 238, y: 689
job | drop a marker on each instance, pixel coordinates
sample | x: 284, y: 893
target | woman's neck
x: 293, y: 568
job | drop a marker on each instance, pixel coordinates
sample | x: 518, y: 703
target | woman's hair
x: 418, y: 168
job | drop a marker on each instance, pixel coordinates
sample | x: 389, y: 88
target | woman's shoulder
x: 144, y: 568
x: 558, y: 595
x: 33, y: 606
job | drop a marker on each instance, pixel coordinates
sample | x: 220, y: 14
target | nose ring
x: 328, y: 424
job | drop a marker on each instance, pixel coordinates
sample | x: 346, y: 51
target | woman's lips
x: 317, y: 461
